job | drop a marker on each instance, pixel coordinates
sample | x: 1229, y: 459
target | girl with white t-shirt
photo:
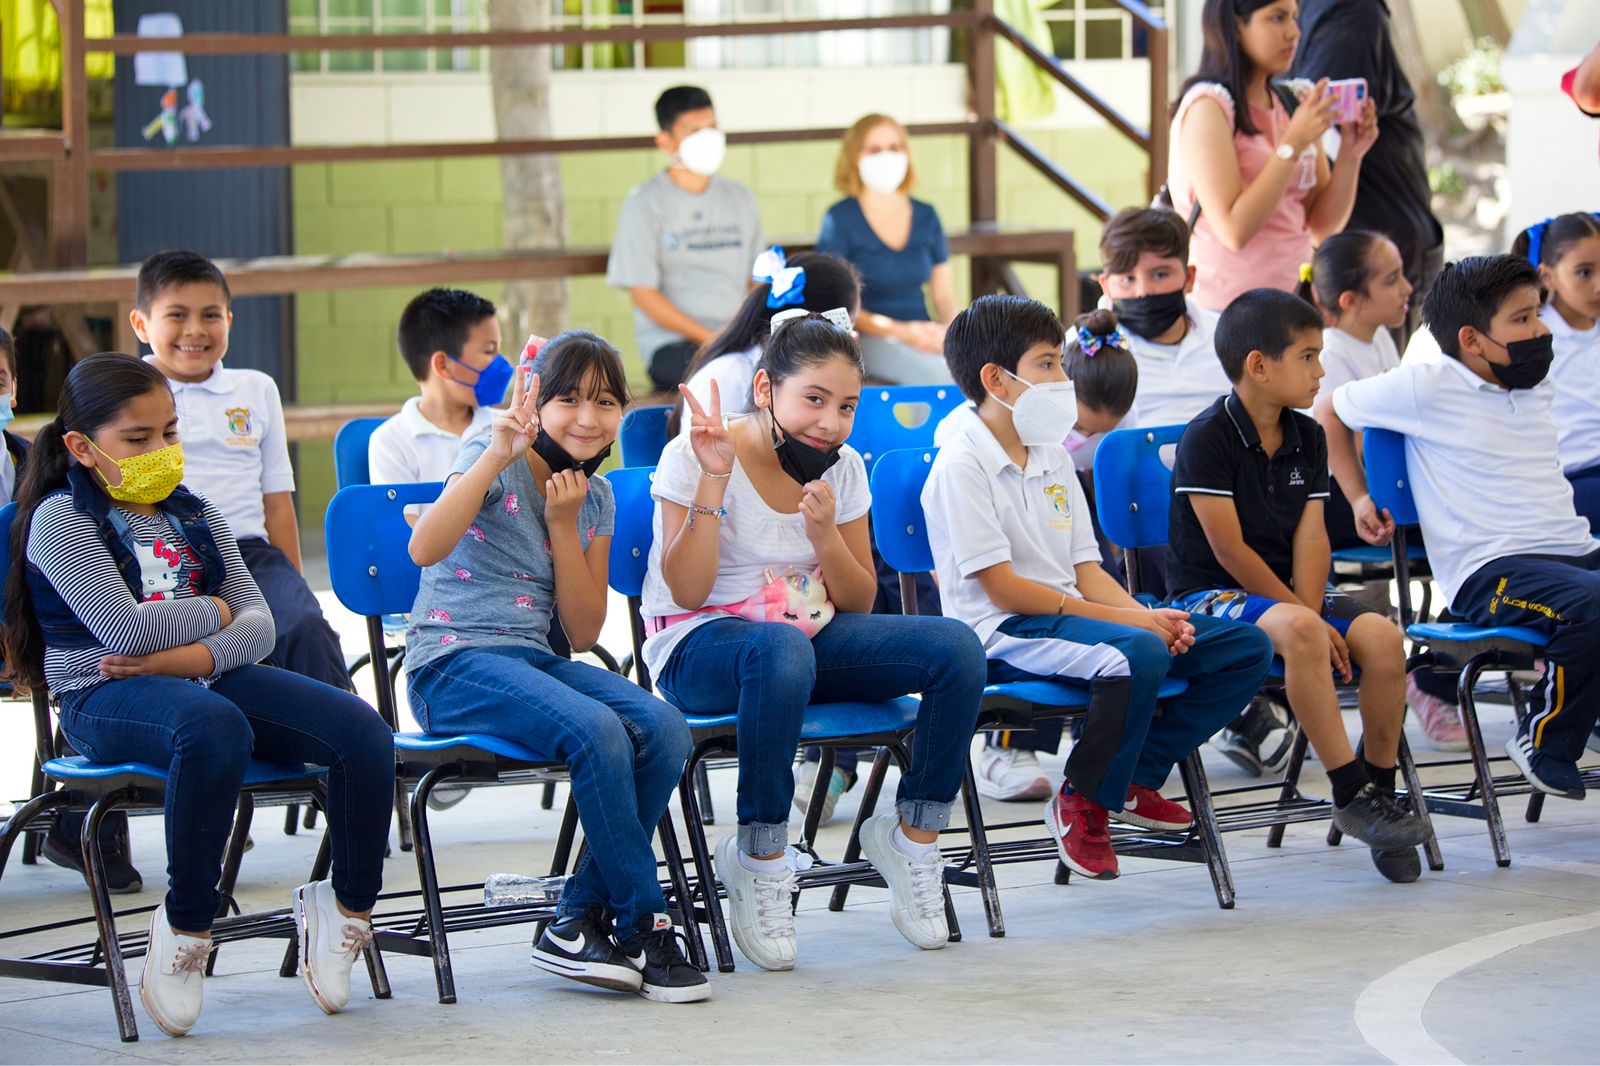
x: 811, y: 281
x: 757, y: 598
x: 1358, y: 281
x: 1566, y: 249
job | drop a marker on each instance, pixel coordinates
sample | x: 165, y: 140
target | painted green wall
x: 345, y: 340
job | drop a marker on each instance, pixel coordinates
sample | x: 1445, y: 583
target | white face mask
x: 702, y: 151
x: 1045, y: 413
x: 884, y: 171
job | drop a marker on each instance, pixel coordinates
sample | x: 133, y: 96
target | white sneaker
x: 171, y: 987
x: 805, y: 780
x: 1011, y: 775
x: 330, y: 941
x: 916, y: 886
x: 760, y: 907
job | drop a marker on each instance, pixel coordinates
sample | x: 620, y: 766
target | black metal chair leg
x: 291, y: 819
x: 105, y: 918
x: 547, y: 796
x: 702, y: 784
x: 814, y: 802
x: 1291, y: 786
x: 232, y: 856
x: 1193, y: 772
x: 705, y: 876
x: 1480, y: 758
x: 561, y: 862
x: 376, y: 972
x: 310, y: 821
x: 869, y: 800
x: 682, y: 893
x: 428, y: 875
x: 980, y: 853
x: 18, y: 824
x: 402, y: 815
x: 32, y: 839
x: 1419, y: 804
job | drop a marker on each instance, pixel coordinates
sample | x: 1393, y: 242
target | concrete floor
x: 1322, y: 961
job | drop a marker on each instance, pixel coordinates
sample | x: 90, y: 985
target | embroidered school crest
x: 1057, y: 495
x: 239, y: 428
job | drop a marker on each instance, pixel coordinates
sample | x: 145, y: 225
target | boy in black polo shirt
x: 1248, y: 542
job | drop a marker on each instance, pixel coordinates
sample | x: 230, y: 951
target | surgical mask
x: 800, y: 460
x: 147, y: 478
x: 703, y: 151
x: 490, y: 388
x: 7, y: 412
x: 558, y: 458
x: 1151, y: 316
x: 1045, y: 413
x: 1530, y: 362
x: 884, y: 171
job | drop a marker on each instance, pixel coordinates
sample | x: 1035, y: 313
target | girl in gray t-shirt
x: 522, y: 532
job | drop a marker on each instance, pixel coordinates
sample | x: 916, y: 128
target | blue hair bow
x: 788, y: 284
x: 1090, y: 343
x: 1536, y: 238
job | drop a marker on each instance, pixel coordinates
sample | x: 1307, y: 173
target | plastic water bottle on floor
x: 517, y: 890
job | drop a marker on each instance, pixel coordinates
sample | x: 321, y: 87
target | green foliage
x: 1477, y: 73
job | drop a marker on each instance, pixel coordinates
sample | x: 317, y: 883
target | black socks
x: 1383, y: 778
x: 1349, y: 779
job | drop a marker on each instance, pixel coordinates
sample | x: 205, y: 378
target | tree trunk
x: 535, y: 209
x: 1433, y: 103
x: 1485, y: 19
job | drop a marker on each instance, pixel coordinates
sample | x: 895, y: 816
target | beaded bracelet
x: 713, y: 512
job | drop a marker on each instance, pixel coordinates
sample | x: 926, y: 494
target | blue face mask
x: 490, y: 388
x: 6, y: 411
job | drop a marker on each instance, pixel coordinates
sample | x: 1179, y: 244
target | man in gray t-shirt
x: 685, y: 240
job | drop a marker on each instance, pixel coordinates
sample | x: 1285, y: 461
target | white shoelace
x: 773, y: 906
x: 191, y: 958
x: 356, y: 937
x: 927, y: 885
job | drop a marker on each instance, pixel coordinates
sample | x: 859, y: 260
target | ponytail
x: 1104, y: 373
x: 93, y: 395
x: 1342, y: 263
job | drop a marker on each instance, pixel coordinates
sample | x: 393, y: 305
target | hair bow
x: 837, y: 317
x: 788, y: 283
x: 1306, y: 272
x: 1090, y: 343
x: 1536, y: 240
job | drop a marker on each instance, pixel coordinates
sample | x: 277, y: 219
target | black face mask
x: 800, y: 460
x: 1530, y: 362
x: 1151, y: 316
x: 557, y: 459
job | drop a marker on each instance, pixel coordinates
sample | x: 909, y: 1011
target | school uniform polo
x: 408, y: 448
x: 1482, y: 461
x: 983, y: 509
x: 234, y: 447
x: 1221, y: 455
x: 1575, y: 403
x: 1178, y: 381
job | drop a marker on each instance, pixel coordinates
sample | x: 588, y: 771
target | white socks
x: 906, y: 846
x: 775, y: 866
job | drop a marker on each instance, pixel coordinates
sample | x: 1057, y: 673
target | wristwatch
x: 1285, y: 152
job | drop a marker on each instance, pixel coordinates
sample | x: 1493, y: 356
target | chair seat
x: 78, y: 768
x: 1373, y: 555
x: 1462, y: 633
x: 437, y: 743
x: 825, y: 721
x: 1275, y: 671
x: 1065, y: 693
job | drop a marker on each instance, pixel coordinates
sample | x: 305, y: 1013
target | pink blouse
x: 1272, y: 258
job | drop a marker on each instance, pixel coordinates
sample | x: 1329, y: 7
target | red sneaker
x: 1083, y: 837
x: 1149, y: 809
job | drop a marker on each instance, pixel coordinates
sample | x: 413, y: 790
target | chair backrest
x: 367, y: 534
x: 898, y: 525
x: 1384, y: 451
x: 644, y: 434
x: 634, y: 528
x: 8, y: 515
x: 1133, y: 485
x: 350, y: 465
x: 901, y: 417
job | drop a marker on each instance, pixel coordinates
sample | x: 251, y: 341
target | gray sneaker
x: 1378, y: 820
x: 1400, y: 865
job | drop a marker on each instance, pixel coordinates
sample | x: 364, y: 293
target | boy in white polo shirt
x: 1016, y: 557
x: 450, y: 341
x: 234, y: 447
x: 1504, y: 538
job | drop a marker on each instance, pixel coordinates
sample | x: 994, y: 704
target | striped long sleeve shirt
x: 65, y: 545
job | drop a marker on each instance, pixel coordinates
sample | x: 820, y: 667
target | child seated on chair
x: 521, y: 533
x: 1505, y: 540
x: 127, y: 595
x: 1016, y: 556
x: 1248, y: 542
x: 238, y: 454
x: 757, y: 597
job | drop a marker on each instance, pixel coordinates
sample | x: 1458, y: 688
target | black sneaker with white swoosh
x: 668, y: 977
x: 580, y: 947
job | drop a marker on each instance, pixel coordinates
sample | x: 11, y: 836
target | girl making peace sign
x: 521, y: 532
x: 758, y: 593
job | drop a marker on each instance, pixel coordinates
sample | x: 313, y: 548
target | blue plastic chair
x: 644, y: 434
x: 1471, y: 650
x: 901, y: 533
x: 350, y: 466
x: 826, y: 725
x: 902, y: 416
x: 372, y: 572
x: 100, y: 788
x: 1133, y: 499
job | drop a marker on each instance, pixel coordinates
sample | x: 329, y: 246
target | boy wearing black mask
x: 1504, y: 539
x: 1146, y: 277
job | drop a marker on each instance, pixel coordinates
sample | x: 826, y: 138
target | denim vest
x: 183, y: 510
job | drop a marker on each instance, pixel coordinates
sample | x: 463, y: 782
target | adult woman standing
x: 898, y: 245
x: 1266, y: 190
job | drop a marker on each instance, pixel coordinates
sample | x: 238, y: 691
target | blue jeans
x: 1123, y: 741
x: 206, y: 738
x: 768, y: 672
x: 624, y: 748
x: 1586, y: 494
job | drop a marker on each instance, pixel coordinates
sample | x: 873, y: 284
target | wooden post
x: 69, y: 193
x: 982, y: 155
x: 1160, y: 124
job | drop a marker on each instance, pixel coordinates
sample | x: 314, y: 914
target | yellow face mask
x: 147, y: 478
